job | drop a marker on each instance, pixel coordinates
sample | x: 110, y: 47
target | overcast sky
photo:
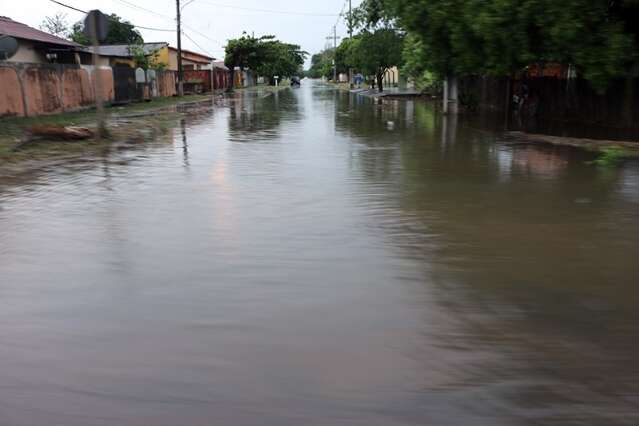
x: 208, y: 22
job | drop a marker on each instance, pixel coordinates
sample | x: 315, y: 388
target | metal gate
x: 124, y: 84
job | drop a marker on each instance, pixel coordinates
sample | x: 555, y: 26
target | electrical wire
x: 135, y: 6
x: 195, y: 43
x: 281, y: 12
x: 85, y: 12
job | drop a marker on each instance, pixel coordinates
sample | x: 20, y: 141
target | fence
x: 28, y: 90
x: 38, y: 89
x: 124, y: 84
x: 201, y: 78
x: 571, y: 101
x: 221, y: 79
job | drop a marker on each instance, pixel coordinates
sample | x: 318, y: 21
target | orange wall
x: 31, y: 90
x: 11, y: 102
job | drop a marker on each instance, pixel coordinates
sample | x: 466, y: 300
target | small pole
x: 179, y: 52
x: 334, y: 38
x: 350, y: 35
x: 97, y: 82
x: 335, y: 53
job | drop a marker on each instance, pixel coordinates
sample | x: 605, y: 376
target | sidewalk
x: 394, y: 92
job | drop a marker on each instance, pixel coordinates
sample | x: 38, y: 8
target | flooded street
x: 309, y: 257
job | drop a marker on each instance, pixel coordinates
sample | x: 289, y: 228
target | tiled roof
x: 122, y: 50
x: 25, y: 32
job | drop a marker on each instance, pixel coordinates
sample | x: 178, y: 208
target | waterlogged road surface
x: 311, y: 258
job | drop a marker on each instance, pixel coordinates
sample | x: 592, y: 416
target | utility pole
x: 335, y: 53
x: 179, y: 52
x: 334, y: 38
x: 350, y: 36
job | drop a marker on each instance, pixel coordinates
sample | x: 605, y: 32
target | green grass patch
x: 610, y: 157
x: 13, y: 129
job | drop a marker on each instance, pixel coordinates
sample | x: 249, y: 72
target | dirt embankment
x: 630, y: 148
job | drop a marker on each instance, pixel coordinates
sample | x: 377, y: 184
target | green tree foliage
x: 499, y: 37
x: 345, y: 55
x: 120, y: 32
x: 241, y: 53
x: 279, y: 59
x: 322, y: 64
x: 144, y: 60
x: 415, y: 63
x: 265, y: 55
x: 374, y: 51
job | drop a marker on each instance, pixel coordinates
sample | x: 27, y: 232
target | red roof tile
x: 19, y: 30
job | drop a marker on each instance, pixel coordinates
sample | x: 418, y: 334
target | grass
x: 13, y: 129
x: 610, y: 157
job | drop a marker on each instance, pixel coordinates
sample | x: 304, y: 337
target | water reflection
x: 373, y: 264
x: 522, y: 253
x: 257, y: 116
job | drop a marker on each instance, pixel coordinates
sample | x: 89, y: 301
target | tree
x: 56, y: 25
x: 241, y: 53
x: 344, y: 55
x: 322, y: 64
x: 498, y: 37
x: 144, y: 60
x: 373, y: 52
x: 279, y: 59
x: 120, y: 32
x: 415, y: 61
x: 265, y: 55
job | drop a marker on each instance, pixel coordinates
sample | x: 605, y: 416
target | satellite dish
x: 8, y: 47
x: 96, y: 24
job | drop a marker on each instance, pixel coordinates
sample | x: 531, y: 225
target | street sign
x: 96, y: 24
x: 8, y: 47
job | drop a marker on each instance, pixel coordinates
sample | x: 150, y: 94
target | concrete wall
x: 38, y: 89
x: 28, y: 54
x: 11, y: 99
x: 173, y: 59
x: 164, y: 57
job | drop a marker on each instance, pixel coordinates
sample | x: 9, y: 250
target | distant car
x: 295, y: 81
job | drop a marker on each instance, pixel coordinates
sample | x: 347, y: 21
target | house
x: 121, y: 54
x: 190, y: 60
x: 391, y: 77
x: 38, y: 47
x: 162, y: 53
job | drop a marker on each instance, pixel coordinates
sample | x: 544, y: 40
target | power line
x: 281, y: 12
x: 195, y: 43
x: 85, y: 12
x: 201, y: 34
x: 135, y: 6
x: 68, y: 7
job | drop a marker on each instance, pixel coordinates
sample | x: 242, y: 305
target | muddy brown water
x: 313, y: 258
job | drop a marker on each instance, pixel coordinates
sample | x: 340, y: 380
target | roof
x: 122, y: 50
x: 18, y: 30
x: 220, y: 65
x: 204, y: 58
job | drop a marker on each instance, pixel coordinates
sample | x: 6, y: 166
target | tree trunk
x: 232, y: 82
x: 380, y: 82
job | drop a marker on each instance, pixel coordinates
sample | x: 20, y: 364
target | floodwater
x: 313, y: 258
